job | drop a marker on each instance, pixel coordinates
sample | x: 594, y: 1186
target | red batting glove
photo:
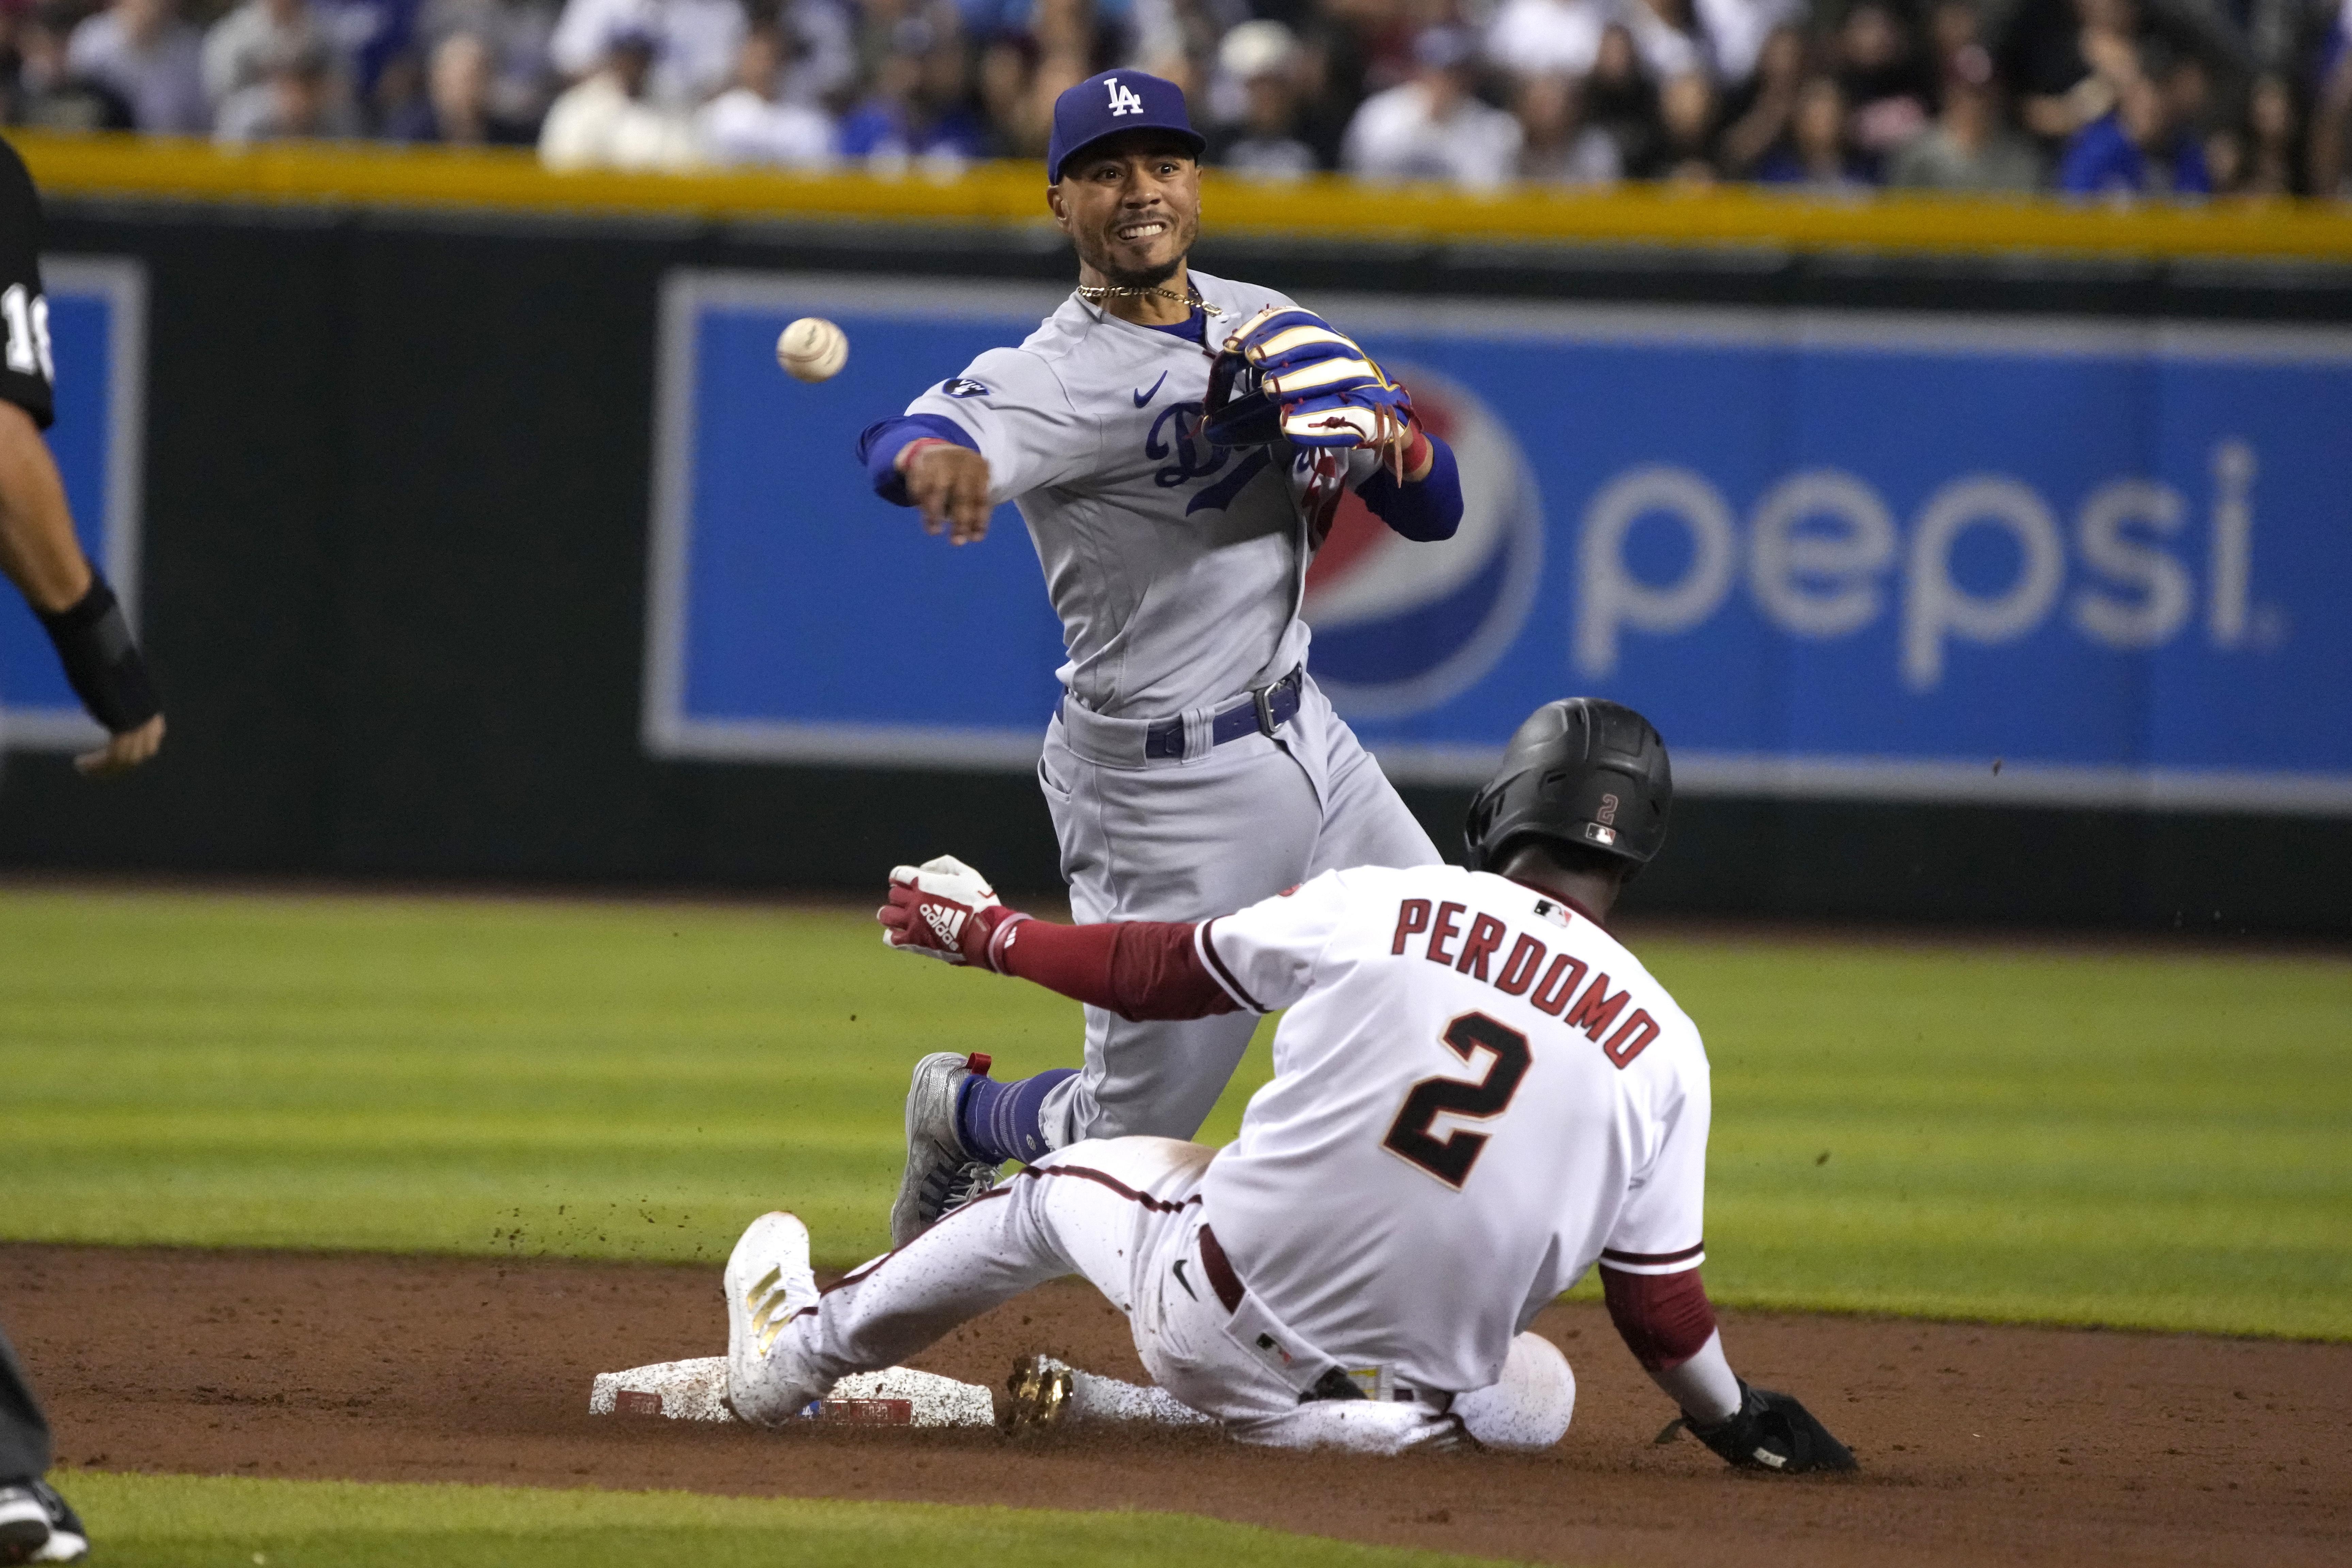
x: 945, y: 909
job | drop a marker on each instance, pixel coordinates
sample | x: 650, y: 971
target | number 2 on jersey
x: 1449, y: 1159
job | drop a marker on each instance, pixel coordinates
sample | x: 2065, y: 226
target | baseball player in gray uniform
x: 1177, y: 445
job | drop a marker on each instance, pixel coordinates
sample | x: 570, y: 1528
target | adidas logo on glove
x: 946, y: 922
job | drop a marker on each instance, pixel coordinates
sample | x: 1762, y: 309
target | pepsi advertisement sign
x: 97, y: 335
x: 1875, y: 556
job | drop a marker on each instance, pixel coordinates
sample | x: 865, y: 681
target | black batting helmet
x: 1582, y: 771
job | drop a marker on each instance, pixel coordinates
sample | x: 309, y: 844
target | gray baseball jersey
x: 1176, y: 566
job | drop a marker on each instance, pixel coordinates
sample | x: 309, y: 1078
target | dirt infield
x: 1980, y: 1445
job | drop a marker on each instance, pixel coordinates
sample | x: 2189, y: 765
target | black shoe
x: 37, y: 1525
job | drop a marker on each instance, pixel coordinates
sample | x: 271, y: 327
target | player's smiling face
x: 1133, y: 204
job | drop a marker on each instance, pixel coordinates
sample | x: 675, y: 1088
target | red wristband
x: 906, y: 453
x: 1416, y: 452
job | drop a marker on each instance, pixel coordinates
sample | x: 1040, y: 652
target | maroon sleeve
x: 1137, y: 969
x: 1665, y: 1318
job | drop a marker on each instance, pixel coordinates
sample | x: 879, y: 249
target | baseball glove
x: 1771, y: 1432
x: 1285, y: 372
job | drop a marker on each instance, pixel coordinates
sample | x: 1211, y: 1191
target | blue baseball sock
x: 998, y: 1121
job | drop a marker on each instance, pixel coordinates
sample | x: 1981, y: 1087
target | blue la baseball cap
x: 1111, y: 104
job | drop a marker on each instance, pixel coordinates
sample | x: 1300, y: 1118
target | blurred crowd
x: 2112, y: 98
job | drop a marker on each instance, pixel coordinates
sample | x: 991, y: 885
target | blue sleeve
x: 879, y: 444
x: 2078, y: 173
x: 2190, y: 174
x: 1427, y: 509
x: 2098, y: 160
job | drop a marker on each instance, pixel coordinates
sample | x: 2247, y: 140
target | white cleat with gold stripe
x: 768, y: 1283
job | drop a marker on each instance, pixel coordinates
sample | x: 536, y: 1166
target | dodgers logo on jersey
x: 964, y: 386
x: 1178, y: 434
x: 1400, y: 627
x: 1181, y: 432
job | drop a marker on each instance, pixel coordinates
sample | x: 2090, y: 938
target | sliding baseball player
x: 1479, y: 1094
x: 1177, y: 444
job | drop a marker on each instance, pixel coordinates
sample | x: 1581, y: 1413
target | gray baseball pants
x: 1187, y: 840
x: 24, y: 1434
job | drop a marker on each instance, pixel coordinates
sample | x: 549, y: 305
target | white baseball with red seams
x: 813, y: 349
x: 1478, y: 1093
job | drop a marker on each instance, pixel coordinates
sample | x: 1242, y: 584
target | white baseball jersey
x: 1477, y: 1094
x: 1176, y: 566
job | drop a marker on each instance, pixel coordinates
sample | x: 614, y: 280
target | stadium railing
x: 1327, y: 206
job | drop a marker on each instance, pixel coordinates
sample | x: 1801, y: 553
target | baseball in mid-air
x: 813, y: 349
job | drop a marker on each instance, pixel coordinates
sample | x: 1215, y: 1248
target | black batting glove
x: 1771, y: 1432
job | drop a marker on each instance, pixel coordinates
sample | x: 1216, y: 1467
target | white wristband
x: 1001, y: 937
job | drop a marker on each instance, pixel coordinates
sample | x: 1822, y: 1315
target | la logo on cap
x: 1123, y: 101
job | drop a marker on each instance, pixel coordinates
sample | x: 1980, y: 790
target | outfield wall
x: 453, y: 532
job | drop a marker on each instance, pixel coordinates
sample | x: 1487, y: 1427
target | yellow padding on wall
x: 371, y: 174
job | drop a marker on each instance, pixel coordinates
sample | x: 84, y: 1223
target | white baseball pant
x: 1126, y: 1214
x: 1188, y: 840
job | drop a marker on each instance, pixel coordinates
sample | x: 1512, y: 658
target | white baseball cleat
x: 941, y: 1177
x: 768, y: 1283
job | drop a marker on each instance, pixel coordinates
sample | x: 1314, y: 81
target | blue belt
x: 1268, y: 708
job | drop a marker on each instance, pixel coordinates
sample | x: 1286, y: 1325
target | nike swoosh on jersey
x: 1144, y: 397
x: 1186, y: 1283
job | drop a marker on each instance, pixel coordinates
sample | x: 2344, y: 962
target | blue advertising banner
x: 97, y: 329
x: 1830, y: 553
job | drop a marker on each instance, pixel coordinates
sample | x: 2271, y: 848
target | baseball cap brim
x: 1194, y: 142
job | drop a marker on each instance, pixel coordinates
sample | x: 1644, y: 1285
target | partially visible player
x: 40, y: 555
x: 1479, y: 1094
x: 37, y: 549
x: 1176, y: 491
x: 37, y: 1525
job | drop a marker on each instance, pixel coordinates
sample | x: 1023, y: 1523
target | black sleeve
x: 25, y: 369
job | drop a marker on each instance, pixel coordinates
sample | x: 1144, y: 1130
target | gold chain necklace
x: 1095, y: 293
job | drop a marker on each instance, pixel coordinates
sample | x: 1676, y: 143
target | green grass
x: 2152, y: 1139
x: 2160, y: 1140
x: 190, y: 1521
x: 601, y: 1080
